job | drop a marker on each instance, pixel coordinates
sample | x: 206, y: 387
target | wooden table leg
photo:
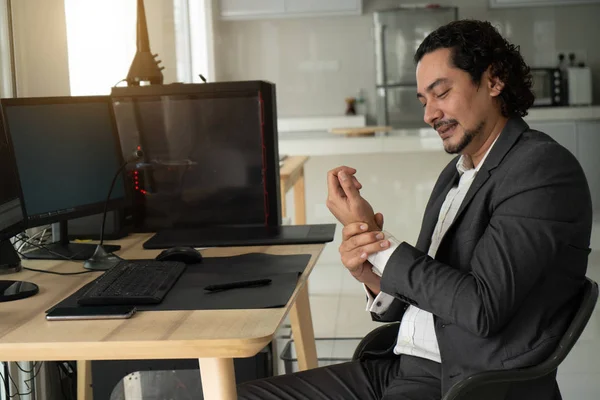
x: 300, y: 200
x: 218, y: 378
x: 84, y: 380
x: 283, y: 202
x: 302, y: 329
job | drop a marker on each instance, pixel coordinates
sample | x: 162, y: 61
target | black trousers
x: 399, y: 378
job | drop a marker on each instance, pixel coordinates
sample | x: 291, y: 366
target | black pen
x: 236, y: 285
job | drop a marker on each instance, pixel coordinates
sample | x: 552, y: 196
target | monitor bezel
x: 82, y: 210
x: 18, y: 227
x: 265, y: 92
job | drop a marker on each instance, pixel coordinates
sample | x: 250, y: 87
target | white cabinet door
x: 532, y: 3
x: 565, y: 133
x: 588, y: 137
x: 254, y: 9
x: 323, y: 6
x: 238, y: 9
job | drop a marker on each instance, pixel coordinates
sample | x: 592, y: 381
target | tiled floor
x: 338, y: 307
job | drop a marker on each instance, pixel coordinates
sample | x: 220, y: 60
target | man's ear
x: 495, y: 84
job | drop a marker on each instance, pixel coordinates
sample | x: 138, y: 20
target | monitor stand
x: 64, y: 249
x: 9, y: 259
x: 10, y: 262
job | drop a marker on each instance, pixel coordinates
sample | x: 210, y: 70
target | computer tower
x: 168, y: 379
x: 211, y: 154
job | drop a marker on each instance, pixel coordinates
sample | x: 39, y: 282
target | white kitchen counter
x: 325, y: 123
x: 325, y: 143
x: 553, y: 114
x: 318, y: 142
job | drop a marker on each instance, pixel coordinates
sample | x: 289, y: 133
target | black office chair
x: 493, y: 385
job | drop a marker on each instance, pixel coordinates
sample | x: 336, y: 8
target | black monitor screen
x: 204, y: 159
x: 11, y: 211
x: 67, y: 153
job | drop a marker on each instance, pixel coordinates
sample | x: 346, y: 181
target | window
x: 6, y: 60
x: 194, y: 38
x: 101, y: 43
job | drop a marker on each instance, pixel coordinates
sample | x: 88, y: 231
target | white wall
x: 317, y: 62
x: 40, y: 37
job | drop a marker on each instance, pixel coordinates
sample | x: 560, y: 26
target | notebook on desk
x: 242, y: 236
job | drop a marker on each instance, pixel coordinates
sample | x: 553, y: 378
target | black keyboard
x: 134, y: 282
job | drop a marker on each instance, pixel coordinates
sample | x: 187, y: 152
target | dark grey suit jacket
x: 503, y: 285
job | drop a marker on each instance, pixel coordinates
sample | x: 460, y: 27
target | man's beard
x: 465, y: 140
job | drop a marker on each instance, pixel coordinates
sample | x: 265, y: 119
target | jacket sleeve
x: 542, y: 204
x: 394, y: 313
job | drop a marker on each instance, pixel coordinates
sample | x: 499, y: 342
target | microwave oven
x: 548, y: 87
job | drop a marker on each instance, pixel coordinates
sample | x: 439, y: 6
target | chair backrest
x: 582, y: 316
x: 493, y: 385
x: 495, y: 382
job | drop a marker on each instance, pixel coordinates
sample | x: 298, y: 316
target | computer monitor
x: 12, y: 220
x: 67, y: 153
x: 211, y: 154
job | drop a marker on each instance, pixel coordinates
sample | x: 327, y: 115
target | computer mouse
x: 187, y: 255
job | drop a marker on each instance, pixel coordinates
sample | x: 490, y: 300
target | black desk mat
x: 188, y: 292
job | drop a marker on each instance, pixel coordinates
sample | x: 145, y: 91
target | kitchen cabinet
x: 588, y: 143
x: 565, y: 133
x: 321, y: 6
x: 239, y: 9
x: 256, y: 9
x: 533, y: 3
x: 582, y: 138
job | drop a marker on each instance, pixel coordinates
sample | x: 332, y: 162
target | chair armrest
x: 378, y: 340
x: 488, y: 378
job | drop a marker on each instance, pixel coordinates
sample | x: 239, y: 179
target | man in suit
x: 492, y: 281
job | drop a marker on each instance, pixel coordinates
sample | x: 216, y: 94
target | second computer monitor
x: 67, y: 152
x: 211, y: 155
x: 11, y: 210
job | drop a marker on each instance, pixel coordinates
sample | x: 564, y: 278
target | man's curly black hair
x: 477, y: 45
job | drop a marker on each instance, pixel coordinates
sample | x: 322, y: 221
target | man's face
x: 454, y: 106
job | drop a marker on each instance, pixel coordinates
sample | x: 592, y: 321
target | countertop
x: 310, y: 136
x: 554, y: 114
x: 324, y: 143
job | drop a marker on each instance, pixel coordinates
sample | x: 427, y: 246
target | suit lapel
x: 433, y: 211
x: 509, y: 135
x: 480, y: 178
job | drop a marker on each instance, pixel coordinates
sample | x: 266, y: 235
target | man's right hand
x: 344, y: 199
x: 357, y: 245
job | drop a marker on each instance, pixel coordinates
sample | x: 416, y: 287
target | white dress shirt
x: 417, y: 336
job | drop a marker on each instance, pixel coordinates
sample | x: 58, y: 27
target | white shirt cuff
x: 378, y: 304
x: 380, y: 259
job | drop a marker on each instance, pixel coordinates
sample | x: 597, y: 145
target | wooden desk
x: 291, y: 174
x: 215, y: 337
